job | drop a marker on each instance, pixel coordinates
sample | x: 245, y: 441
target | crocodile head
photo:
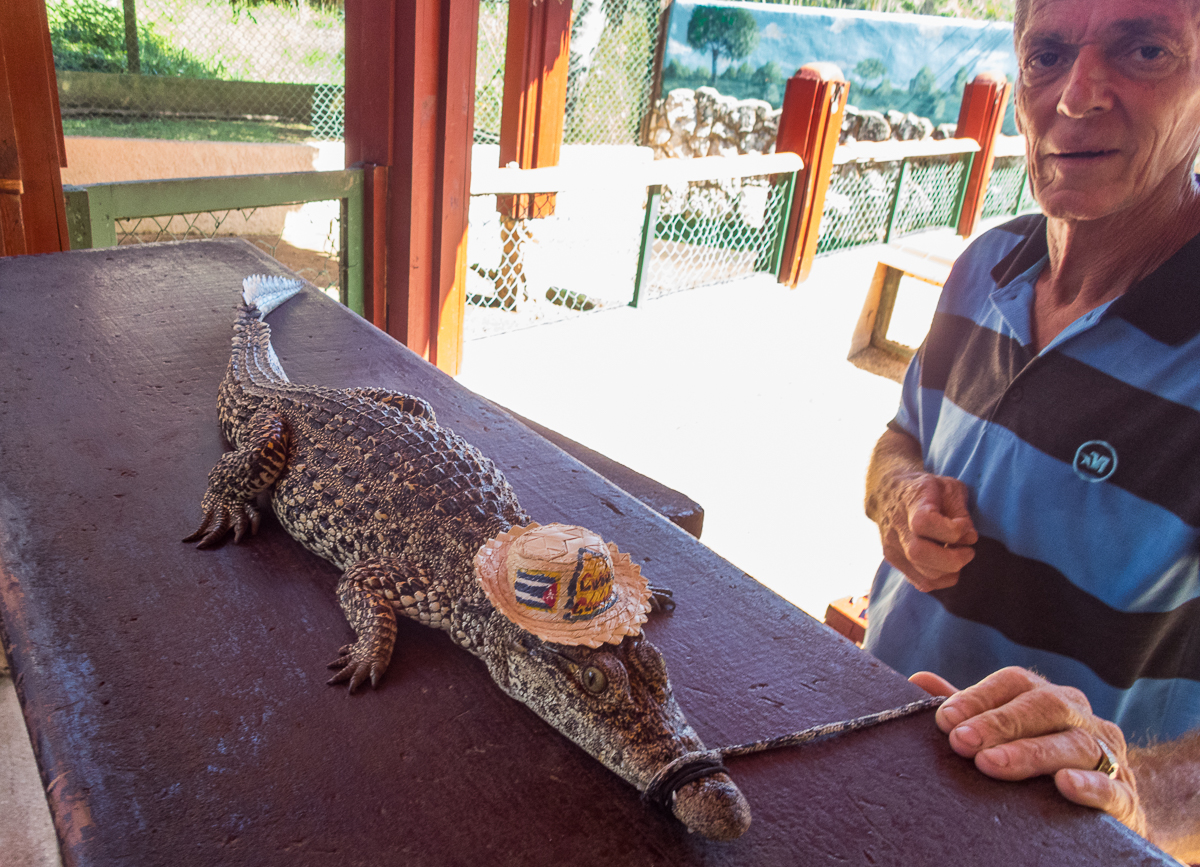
x: 615, y: 702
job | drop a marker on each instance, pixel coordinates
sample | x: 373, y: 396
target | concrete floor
x: 738, y: 395
x: 26, y: 831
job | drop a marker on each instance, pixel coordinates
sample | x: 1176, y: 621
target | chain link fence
x: 317, y: 261
x: 617, y: 243
x: 931, y: 193
x: 610, y: 75
x: 1008, y: 188
x: 278, y: 65
x: 275, y: 71
x: 524, y: 272
x: 857, y: 205
x: 710, y: 232
x: 871, y: 202
x: 489, y: 70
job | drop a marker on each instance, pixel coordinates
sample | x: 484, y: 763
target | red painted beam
x: 535, y: 95
x: 410, y: 70
x: 30, y: 133
x: 809, y: 124
x: 980, y: 117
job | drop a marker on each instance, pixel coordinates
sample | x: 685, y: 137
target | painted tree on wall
x: 729, y: 33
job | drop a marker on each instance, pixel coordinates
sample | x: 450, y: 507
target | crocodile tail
x: 254, y: 361
x: 265, y: 292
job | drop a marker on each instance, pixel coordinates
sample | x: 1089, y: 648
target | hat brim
x: 624, y: 617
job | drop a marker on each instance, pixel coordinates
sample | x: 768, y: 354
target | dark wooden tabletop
x: 176, y: 698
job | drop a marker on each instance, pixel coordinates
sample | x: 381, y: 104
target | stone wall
x: 881, y: 126
x: 703, y: 123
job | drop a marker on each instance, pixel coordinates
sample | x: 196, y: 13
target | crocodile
x: 367, y: 479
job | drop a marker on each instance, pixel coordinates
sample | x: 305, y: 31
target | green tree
x: 871, y: 69
x: 923, y: 93
x: 730, y: 33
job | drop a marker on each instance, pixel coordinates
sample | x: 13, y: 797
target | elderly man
x: 1038, y: 493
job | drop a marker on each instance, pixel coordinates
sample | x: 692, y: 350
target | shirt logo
x: 1095, y: 461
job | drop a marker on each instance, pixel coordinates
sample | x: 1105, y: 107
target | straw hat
x: 564, y: 584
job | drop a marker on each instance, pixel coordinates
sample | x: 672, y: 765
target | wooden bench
x: 870, y: 345
x: 175, y: 698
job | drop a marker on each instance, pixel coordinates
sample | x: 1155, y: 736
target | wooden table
x: 176, y: 698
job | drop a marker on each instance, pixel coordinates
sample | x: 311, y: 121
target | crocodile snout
x: 713, y: 807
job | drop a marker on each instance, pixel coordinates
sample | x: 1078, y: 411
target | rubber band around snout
x: 694, y: 766
x: 679, y: 772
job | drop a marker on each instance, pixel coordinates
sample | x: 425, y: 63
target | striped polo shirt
x: 1083, y: 464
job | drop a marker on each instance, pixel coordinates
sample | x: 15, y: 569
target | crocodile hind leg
x: 414, y: 406
x: 239, y: 477
x: 372, y: 592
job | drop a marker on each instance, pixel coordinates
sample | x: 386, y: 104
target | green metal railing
x: 94, y: 211
x: 704, y: 221
x: 880, y: 191
x: 711, y: 232
x: 1008, y: 188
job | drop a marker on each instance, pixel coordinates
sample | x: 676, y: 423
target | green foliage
x: 989, y: 10
x: 608, y: 106
x: 729, y: 33
x: 741, y: 82
x: 89, y: 36
x: 870, y: 88
x: 870, y: 69
x: 191, y: 129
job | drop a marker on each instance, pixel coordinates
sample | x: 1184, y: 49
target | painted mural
x: 912, y: 63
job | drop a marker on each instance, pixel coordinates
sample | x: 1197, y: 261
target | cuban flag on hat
x: 537, y: 589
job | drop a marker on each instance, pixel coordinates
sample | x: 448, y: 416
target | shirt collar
x: 1165, y: 304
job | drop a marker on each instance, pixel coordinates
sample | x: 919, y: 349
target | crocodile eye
x: 594, y: 680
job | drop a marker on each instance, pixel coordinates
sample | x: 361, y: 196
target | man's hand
x: 1016, y: 725
x: 926, y: 530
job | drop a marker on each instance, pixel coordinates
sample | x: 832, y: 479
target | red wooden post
x: 410, y: 89
x: 535, y: 95
x: 809, y: 124
x: 12, y: 227
x: 33, y: 217
x: 980, y: 117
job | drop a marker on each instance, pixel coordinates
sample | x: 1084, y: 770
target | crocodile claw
x: 356, y: 666
x: 220, y: 517
x: 661, y: 599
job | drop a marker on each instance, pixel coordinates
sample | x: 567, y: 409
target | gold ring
x: 1108, y: 761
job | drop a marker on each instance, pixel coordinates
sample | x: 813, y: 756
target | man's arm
x: 1015, y: 725
x: 1168, y: 782
x: 923, y: 521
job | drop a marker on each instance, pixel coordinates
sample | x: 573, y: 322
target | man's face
x: 1109, y: 102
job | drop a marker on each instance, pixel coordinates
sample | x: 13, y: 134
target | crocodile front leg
x: 371, y: 593
x: 239, y: 477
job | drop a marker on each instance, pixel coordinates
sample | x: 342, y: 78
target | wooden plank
x: 659, y: 172
x: 929, y: 268
x: 175, y: 697
x: 192, y: 195
x: 1010, y: 145
x: 370, y: 45
x: 894, y: 151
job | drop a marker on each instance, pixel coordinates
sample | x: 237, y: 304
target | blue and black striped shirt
x: 1083, y: 463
